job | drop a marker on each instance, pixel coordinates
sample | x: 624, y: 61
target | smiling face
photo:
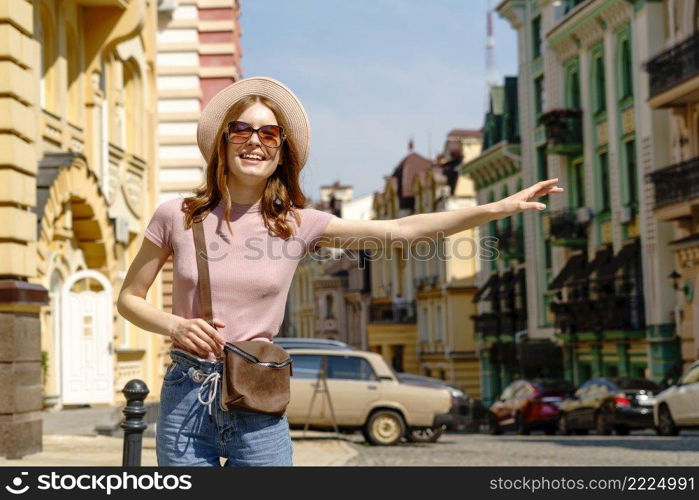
x: 252, y: 161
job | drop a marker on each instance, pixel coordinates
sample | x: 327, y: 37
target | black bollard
x: 135, y: 391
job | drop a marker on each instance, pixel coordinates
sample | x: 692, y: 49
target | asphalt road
x: 637, y: 449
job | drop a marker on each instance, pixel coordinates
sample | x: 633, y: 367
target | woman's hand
x: 197, y: 336
x: 521, y: 201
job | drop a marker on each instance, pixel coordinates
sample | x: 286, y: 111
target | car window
x: 305, y: 365
x: 692, y: 376
x: 610, y: 385
x: 554, y: 385
x: 349, y: 367
x: 598, y: 388
x: 636, y: 383
x: 583, y: 389
x: 509, y: 390
x: 523, y: 390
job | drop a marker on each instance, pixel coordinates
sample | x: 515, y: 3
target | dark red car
x: 528, y: 404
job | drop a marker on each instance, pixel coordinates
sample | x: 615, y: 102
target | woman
x: 255, y: 137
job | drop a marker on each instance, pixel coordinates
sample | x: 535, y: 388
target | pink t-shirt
x: 250, y: 272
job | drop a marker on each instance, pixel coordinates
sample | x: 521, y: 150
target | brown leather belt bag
x: 255, y: 373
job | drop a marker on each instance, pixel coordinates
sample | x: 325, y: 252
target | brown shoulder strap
x: 203, y: 269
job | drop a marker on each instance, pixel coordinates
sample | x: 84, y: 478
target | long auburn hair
x: 282, y: 194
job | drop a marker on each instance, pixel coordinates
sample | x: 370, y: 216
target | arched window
x: 599, y: 98
x: 574, y: 90
x: 625, y: 69
x: 329, y: 306
x: 507, y: 221
x: 492, y: 232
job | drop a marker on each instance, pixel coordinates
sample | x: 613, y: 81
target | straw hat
x: 218, y: 108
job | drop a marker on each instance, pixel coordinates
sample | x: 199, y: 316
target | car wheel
x: 493, y: 426
x: 426, y: 435
x: 385, y: 428
x: 603, y: 425
x: 666, y: 424
x: 550, y: 430
x: 622, y: 430
x: 563, y: 428
x: 582, y: 432
x: 521, y: 425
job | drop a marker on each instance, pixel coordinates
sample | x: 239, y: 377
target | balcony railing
x: 392, y: 313
x: 512, y: 322
x: 563, y: 130
x: 564, y: 225
x: 677, y: 183
x: 486, y: 325
x: 617, y: 305
x: 674, y: 66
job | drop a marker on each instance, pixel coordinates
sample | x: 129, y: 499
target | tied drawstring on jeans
x: 209, y: 384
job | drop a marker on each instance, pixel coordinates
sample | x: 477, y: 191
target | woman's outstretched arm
x: 356, y: 234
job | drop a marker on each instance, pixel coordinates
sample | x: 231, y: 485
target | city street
x: 643, y: 449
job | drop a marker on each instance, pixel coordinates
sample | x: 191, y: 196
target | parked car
x: 528, y: 404
x: 460, y: 404
x: 677, y: 407
x: 365, y: 394
x: 311, y: 343
x: 606, y: 404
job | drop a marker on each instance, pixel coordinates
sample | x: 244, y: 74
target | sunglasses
x: 270, y: 136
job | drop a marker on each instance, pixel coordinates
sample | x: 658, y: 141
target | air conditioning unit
x: 583, y: 214
x: 626, y: 215
x: 167, y: 5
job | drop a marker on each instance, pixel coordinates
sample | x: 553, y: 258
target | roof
x: 462, y: 132
x: 448, y: 173
x: 402, y: 177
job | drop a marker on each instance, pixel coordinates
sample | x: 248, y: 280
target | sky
x: 372, y: 74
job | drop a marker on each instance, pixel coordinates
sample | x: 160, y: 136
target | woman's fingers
x: 215, y: 333
x: 203, y: 334
x: 210, y: 330
x: 528, y: 205
x: 202, y: 344
x: 547, y: 188
x: 193, y: 346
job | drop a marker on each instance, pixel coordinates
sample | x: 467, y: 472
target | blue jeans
x: 191, y: 433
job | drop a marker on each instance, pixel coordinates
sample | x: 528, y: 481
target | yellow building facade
x: 445, y: 282
x: 78, y: 177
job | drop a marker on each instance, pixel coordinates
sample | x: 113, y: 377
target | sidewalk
x: 62, y: 450
x: 70, y: 439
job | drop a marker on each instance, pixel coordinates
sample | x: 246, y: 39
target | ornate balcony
x: 673, y: 67
x: 392, y: 313
x: 617, y: 305
x: 677, y: 183
x: 563, y: 129
x: 564, y: 226
x: 486, y: 325
x: 512, y: 322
